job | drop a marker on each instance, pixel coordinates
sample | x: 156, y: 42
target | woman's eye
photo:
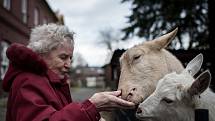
x: 167, y: 100
x: 63, y: 57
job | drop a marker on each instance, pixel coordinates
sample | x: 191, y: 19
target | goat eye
x: 137, y: 57
x: 167, y: 100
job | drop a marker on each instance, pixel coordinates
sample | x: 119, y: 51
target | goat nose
x: 131, y: 93
x: 139, y: 110
x: 133, y: 89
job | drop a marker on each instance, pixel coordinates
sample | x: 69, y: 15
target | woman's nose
x: 68, y: 63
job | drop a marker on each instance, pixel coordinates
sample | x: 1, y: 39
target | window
x: 6, y: 4
x: 24, y: 11
x: 45, y: 21
x: 4, y: 61
x: 36, y: 16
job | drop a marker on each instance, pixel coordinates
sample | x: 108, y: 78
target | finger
x: 115, y: 93
x: 114, y: 107
x: 110, y: 106
x: 108, y: 109
x: 121, y: 101
x: 125, y: 107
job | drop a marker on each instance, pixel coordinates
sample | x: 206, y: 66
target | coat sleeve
x: 31, y: 104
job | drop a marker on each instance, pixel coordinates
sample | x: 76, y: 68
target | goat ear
x: 195, y: 64
x: 201, y: 83
x: 163, y: 41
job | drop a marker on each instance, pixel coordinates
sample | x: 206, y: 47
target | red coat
x: 37, y: 94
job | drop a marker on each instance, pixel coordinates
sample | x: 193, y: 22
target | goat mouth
x: 136, y: 107
x: 145, y: 117
x: 135, y: 101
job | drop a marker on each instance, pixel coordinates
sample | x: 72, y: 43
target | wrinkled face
x: 169, y: 102
x: 141, y: 67
x: 59, y: 59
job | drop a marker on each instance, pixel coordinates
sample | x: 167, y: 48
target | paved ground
x: 78, y: 94
x: 2, y: 108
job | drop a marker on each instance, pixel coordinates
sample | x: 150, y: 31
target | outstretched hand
x: 106, y: 101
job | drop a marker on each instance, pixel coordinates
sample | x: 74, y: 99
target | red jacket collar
x: 55, y: 79
x: 23, y: 59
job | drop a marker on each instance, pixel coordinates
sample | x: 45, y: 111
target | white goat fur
x: 177, y: 96
x: 143, y: 65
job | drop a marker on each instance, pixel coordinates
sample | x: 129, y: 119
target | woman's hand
x: 106, y: 101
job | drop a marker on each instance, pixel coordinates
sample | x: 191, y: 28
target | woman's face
x: 59, y: 59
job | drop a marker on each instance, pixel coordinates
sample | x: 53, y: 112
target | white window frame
x: 4, y: 59
x: 36, y: 16
x: 24, y: 10
x: 7, y: 4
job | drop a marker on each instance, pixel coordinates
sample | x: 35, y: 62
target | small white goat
x: 178, y: 95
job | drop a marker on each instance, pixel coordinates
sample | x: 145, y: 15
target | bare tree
x: 109, y: 37
x: 78, y: 60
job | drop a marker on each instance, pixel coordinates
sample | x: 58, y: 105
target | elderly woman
x: 36, y: 79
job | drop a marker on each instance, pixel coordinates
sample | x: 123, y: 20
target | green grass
x: 3, y: 102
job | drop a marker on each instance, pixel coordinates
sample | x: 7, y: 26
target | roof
x: 50, y: 9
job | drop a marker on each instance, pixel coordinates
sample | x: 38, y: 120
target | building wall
x: 45, y: 12
x: 82, y: 76
x: 12, y: 27
x: 112, y: 70
x: 108, y: 75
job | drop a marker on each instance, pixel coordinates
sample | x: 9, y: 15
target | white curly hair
x: 47, y: 37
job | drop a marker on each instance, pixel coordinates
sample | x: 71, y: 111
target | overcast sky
x: 86, y: 18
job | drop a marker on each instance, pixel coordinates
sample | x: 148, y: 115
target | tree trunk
x: 211, y: 28
x: 211, y: 23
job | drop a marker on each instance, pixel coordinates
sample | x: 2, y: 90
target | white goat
x: 178, y: 95
x: 143, y: 65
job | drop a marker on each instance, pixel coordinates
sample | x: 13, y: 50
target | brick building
x: 84, y: 76
x: 17, y: 17
x: 112, y: 70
